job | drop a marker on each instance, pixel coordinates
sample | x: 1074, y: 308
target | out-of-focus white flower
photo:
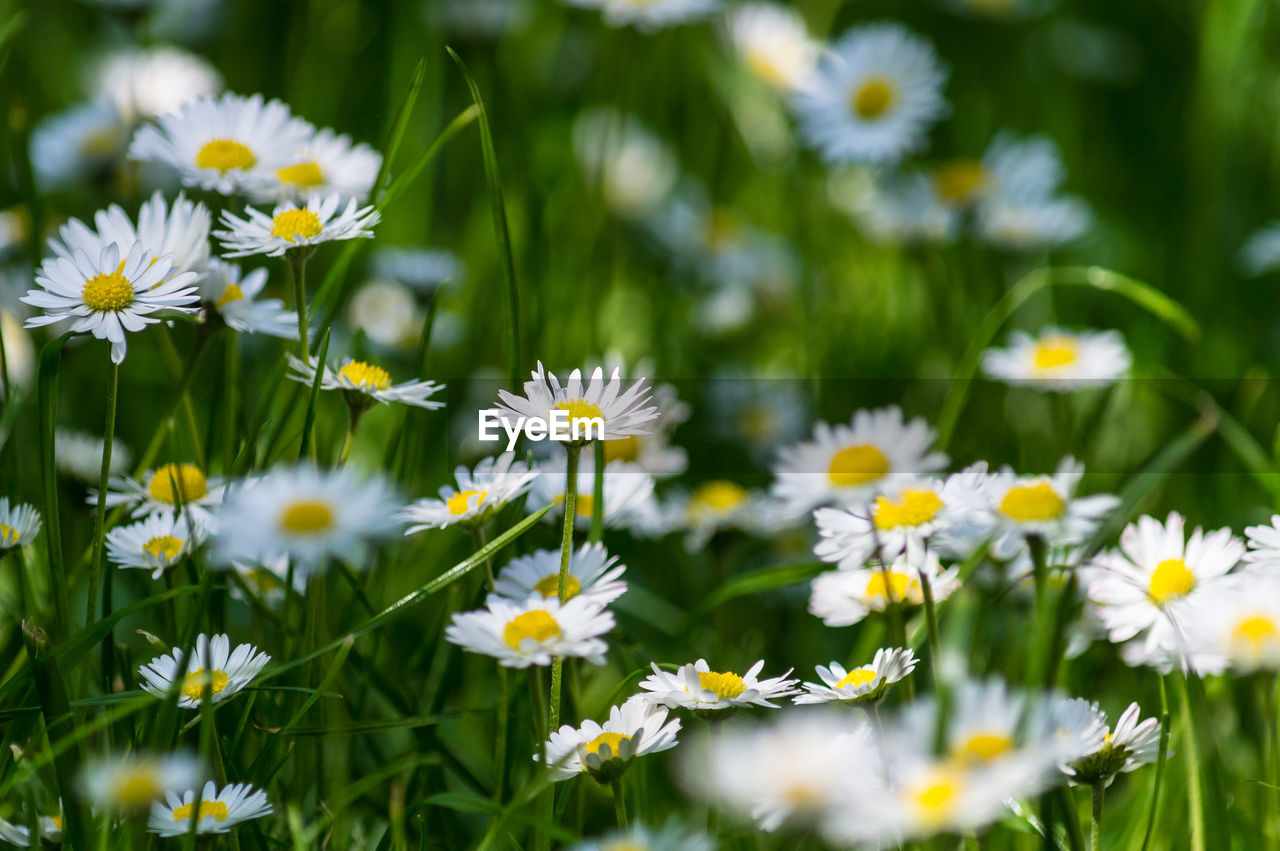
x: 79, y: 455
x: 650, y: 15
x: 593, y: 574
x: 387, y: 313
x: 146, y: 83
x: 845, y: 597
x: 865, y: 684
x: 480, y: 493
x: 773, y: 43
x: 628, y: 494
x: 76, y: 144
x: 635, y: 169
x: 1060, y: 360
x: 128, y: 783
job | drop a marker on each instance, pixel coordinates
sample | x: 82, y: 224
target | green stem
x: 619, y: 802
x: 1161, y: 758
x: 1195, y: 787
x: 500, y: 746
x: 597, y: 494
x: 298, y: 266
x: 100, y: 514
x: 931, y: 620
x: 353, y: 422
x: 1095, y: 817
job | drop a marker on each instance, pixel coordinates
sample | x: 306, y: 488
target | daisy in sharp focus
x: 865, y: 684
x: 845, y: 597
x: 178, y: 232
x: 605, y: 751
x: 1060, y: 360
x: 106, y: 295
x: 874, y: 97
x: 131, y: 782
x: 628, y: 494
x: 156, y: 543
x: 624, y: 411
x: 19, y: 524
x: 699, y: 688
x: 520, y: 634
x: 649, y: 15
x: 291, y: 228
x: 233, y: 298
x: 593, y: 575
x: 1046, y: 506
x: 213, y: 665
x: 328, y: 163
x: 166, y: 489
x: 480, y: 493
x: 773, y: 43
x: 1129, y: 746
x: 218, y: 811
x: 364, y: 383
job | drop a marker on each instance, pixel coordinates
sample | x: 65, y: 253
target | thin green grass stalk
x: 100, y: 512
x: 47, y: 402
x: 931, y: 621
x: 596, y: 533
x: 170, y: 353
x: 185, y: 379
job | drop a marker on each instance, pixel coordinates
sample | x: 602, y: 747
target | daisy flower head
x: 698, y: 688
x: 773, y: 43
x: 48, y: 830
x: 293, y: 229
x: 605, y: 751
x: 1240, y: 623
x: 388, y: 314
x: 167, y: 489
x: 213, y: 665
x: 1012, y: 169
x: 628, y: 493
x: 649, y: 15
x: 1263, y: 553
x: 670, y: 837
x: 363, y: 384
x: 715, y: 506
x: 894, y: 208
x: 866, y: 684
x: 1077, y: 728
x: 110, y: 293
x: 131, y: 782
x: 229, y: 144
x: 146, y: 83
x: 531, y: 632
x: 79, y: 455
x: 1034, y: 223
x: 421, y: 270
x: 1044, y: 505
x: 232, y: 296
x: 328, y: 163
x: 177, y: 231
x: 845, y: 597
x: 19, y: 524
x: 874, y: 96
x: 155, y: 543
x: 851, y: 464
x: 312, y: 515
x: 481, y: 492
x: 79, y: 143
x: 593, y: 575
x: 267, y: 580
x: 593, y: 410
x: 1129, y: 746
x: 636, y: 170
x: 1059, y: 360
x: 218, y: 811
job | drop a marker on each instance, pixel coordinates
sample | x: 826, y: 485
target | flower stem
x: 100, y: 515
x: 353, y: 423
x: 619, y: 802
x: 298, y: 266
x: 1195, y: 788
x: 1095, y: 817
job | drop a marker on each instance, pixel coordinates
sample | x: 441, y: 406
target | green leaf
x: 47, y: 396
x: 756, y: 582
x: 309, y: 420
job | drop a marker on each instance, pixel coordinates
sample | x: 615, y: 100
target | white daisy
x: 671, y: 837
x: 420, y: 269
x: 623, y: 411
x: 605, y: 751
x: 716, y: 506
x: 1263, y: 553
x: 219, y: 811
x: 1131, y: 745
x: 636, y: 171
x: 1013, y: 170
x: 773, y: 43
x: 593, y: 574
x: 845, y: 597
x: 165, y: 489
x: 1239, y: 623
x: 860, y: 685
x: 387, y: 312
x: 79, y: 455
x: 312, y: 515
x: 328, y: 163
x: 1261, y: 251
x: 294, y: 228
x: 1060, y: 360
x: 48, y: 831
x: 213, y: 665
x: 131, y: 782
x: 364, y: 383
x: 1037, y: 223
x: 146, y: 83
x: 230, y: 144
x: 233, y: 298
x: 699, y: 688
x: 851, y: 464
x: 1077, y: 727
x: 896, y: 207
x: 19, y: 524
x: 481, y: 493
x: 649, y: 15
x: 628, y: 494
x: 520, y: 634
x: 874, y: 97
x: 156, y: 543
x: 1044, y: 506
x: 76, y: 144
x: 178, y: 232
x: 107, y: 296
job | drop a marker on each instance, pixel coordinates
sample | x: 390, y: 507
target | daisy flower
x: 845, y: 597
x: 230, y: 144
x: 628, y: 494
x: 233, y: 298
x: 1152, y: 588
x: 143, y: 84
x: 213, y: 665
x: 131, y: 782
x: 1033, y: 224
x: 851, y: 464
x: 624, y: 412
x: 1239, y: 623
x: 716, y: 506
x: 156, y: 543
x: 291, y: 228
x: 421, y: 270
x: 860, y: 685
x: 178, y: 232
x: 79, y: 454
x: 594, y: 575
x: 267, y: 580
x: 106, y: 295
x: 387, y: 312
x: 894, y: 208
x: 1012, y: 169
x: 1077, y: 727
x: 1129, y: 746
x: 1263, y: 553
x: 1059, y: 360
x: 76, y: 144
x: 699, y: 688
x: 164, y: 490
x: 874, y: 96
x: 1261, y: 251
x: 219, y: 811
x: 48, y: 831
x: 520, y: 634
x: 364, y: 383
x: 773, y: 43
x: 649, y: 15
x: 636, y: 170
x: 19, y: 525
x: 1042, y: 505
x: 312, y: 515
x: 481, y: 493
x: 329, y: 163
x: 671, y: 837
x: 605, y: 751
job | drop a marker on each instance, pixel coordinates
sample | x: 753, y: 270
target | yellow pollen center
x: 302, y: 174
x: 610, y: 739
x: 719, y: 496
x: 898, y: 583
x: 307, y: 517
x: 194, y: 684
x: 537, y: 624
x: 8, y: 535
x: 623, y: 845
x: 291, y: 224
x: 208, y: 809
x: 580, y: 410
x: 460, y: 502
x: 224, y: 155
x: 137, y: 788
x: 626, y: 449
x: 1029, y: 503
x: 935, y: 798
x: 1056, y: 352
x: 916, y: 508
x: 857, y: 465
x: 190, y: 481
x: 858, y: 677
x: 961, y: 182
x: 108, y: 291
x: 57, y: 822
x: 1255, y: 630
x: 983, y: 747
x: 725, y: 686
x: 760, y: 63
x: 230, y: 294
x: 165, y: 546
x: 549, y: 586
x: 1171, y: 579
x: 873, y: 98
x: 363, y: 374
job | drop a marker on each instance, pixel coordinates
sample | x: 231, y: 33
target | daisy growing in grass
x: 167, y: 489
x: 696, y: 687
x: 845, y: 597
x: 362, y: 384
x: 19, y: 525
x: 217, y: 810
x: 1059, y: 360
x: 177, y: 231
x: 620, y: 411
x: 480, y: 493
x: 594, y: 575
x: 327, y: 162
x: 865, y: 684
x: 774, y: 44
x: 129, y: 783
x: 213, y: 667
x: 1045, y: 505
x: 233, y: 297
x: 296, y: 229
x: 532, y: 632
x: 155, y: 543
x: 605, y: 751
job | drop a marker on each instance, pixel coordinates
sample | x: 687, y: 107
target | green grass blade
x: 399, y: 125
x: 309, y: 420
x: 47, y: 396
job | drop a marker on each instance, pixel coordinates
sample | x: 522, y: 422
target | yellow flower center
x: 961, y: 182
x: 1030, y: 503
x: 194, y: 684
x: 294, y: 223
x: 858, y: 677
x: 897, y: 583
x: 165, y: 546
x: 1255, y: 630
x: 137, y: 787
x: 760, y: 63
x: 57, y: 821
x: 190, y: 481
x: 460, y: 502
x: 224, y: 155
x: 719, y: 497
x: 307, y: 517
x: 610, y: 739
x: 230, y: 294
x: 208, y: 809
x: 8, y: 535
x: 549, y: 586
x: 581, y: 411
x: 873, y: 98
x: 725, y: 686
x: 624, y: 845
x: 1170, y: 580
x: 1055, y: 352
x: 537, y: 624
x: 983, y: 747
x: 857, y: 465
x: 935, y: 798
x: 302, y: 174
x: 108, y: 291
x: 363, y: 374
x: 722, y: 227
x: 626, y: 449
x: 915, y: 508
